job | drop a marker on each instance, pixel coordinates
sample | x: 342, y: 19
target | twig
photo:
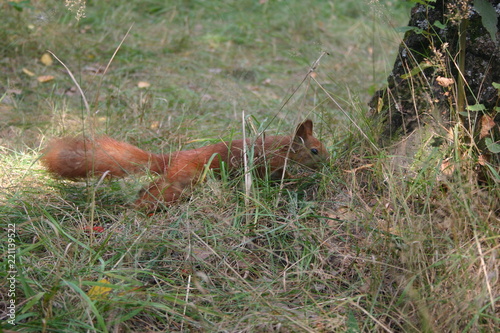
x: 85, y: 102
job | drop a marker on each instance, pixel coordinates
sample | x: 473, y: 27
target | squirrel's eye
x: 314, y: 151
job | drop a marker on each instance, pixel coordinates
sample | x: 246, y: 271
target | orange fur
x: 74, y: 158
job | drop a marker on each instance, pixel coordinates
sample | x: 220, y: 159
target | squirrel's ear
x: 305, y: 129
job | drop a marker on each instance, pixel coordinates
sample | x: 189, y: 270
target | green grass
x: 356, y: 247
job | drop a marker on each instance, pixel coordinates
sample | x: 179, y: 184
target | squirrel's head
x: 306, y: 149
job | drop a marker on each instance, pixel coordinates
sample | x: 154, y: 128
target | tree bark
x: 424, y: 85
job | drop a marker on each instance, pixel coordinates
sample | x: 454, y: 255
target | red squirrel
x: 74, y: 158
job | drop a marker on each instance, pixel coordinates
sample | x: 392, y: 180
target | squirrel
x: 74, y: 158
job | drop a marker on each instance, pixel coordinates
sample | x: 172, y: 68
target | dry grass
x: 356, y: 247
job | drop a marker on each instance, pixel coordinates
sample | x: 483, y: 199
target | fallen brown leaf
x: 444, y: 81
x: 45, y: 78
x: 487, y: 123
x: 28, y: 72
x: 143, y: 84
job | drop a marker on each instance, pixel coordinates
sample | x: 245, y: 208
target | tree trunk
x: 425, y: 86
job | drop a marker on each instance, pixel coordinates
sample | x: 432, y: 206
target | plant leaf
x: 45, y: 78
x: 405, y: 29
x: 46, y: 59
x: 494, y: 172
x: 20, y: 5
x: 487, y: 123
x: 488, y: 17
x: 439, y: 25
x: 98, y: 292
x: 476, y: 107
x: 494, y: 147
x: 416, y: 70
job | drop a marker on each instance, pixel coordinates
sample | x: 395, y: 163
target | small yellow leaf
x: 46, y: 59
x: 143, y: 84
x: 155, y: 125
x: 97, y: 292
x: 45, y: 78
x: 28, y: 72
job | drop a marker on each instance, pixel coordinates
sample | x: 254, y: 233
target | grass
x: 356, y: 247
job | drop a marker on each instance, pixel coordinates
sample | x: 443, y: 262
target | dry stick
x: 186, y: 299
x: 87, y: 106
x: 387, y: 329
x: 311, y: 70
x: 345, y: 112
x: 246, y: 170
x: 224, y: 261
x: 485, y: 272
x: 109, y: 64
x: 462, y: 41
x: 129, y: 248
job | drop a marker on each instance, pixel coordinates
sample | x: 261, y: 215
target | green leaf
x: 476, y: 107
x: 20, y: 5
x: 417, y: 69
x: 494, y: 172
x: 493, y: 147
x: 407, y: 28
x: 496, y: 85
x: 439, y: 25
x: 32, y: 302
x: 488, y: 17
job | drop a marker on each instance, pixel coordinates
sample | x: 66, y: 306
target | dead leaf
x: 93, y: 69
x: 155, y: 125
x: 444, y: 81
x: 253, y: 88
x: 483, y: 159
x: 14, y: 91
x: 72, y: 91
x: 366, y: 166
x: 198, y: 253
x: 143, y: 84
x: 487, y: 123
x: 206, y: 98
x: 215, y: 70
x: 28, y: 72
x: 447, y: 168
x: 97, y: 229
x: 46, y: 59
x: 97, y: 292
x: 45, y: 78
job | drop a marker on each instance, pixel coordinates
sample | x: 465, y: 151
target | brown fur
x: 74, y: 158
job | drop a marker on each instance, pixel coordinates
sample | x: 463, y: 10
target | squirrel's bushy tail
x: 77, y: 158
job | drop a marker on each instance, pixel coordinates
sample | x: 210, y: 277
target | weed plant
x: 356, y: 247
